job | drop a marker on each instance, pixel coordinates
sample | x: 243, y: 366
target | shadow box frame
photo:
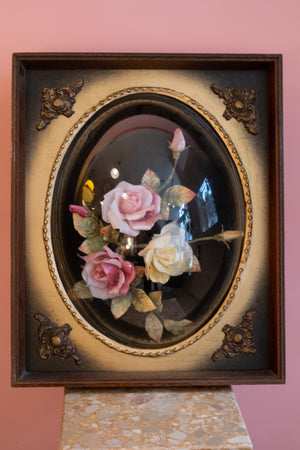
x: 54, y: 97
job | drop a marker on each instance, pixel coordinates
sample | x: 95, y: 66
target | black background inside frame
x: 225, y: 184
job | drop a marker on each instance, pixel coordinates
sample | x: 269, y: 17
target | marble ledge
x: 160, y: 418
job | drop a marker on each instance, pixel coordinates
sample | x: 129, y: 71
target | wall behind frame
x: 30, y: 418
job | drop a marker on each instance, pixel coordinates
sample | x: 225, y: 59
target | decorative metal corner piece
x: 238, y: 340
x: 58, y: 101
x: 55, y: 341
x: 239, y: 105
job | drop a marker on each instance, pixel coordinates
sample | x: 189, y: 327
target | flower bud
x: 80, y: 210
x: 178, y: 143
x: 229, y: 235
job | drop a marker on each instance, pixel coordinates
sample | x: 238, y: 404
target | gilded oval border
x: 248, y: 221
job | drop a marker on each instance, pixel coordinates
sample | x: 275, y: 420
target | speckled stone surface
x: 161, y: 418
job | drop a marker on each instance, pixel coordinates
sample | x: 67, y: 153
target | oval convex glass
x: 147, y: 220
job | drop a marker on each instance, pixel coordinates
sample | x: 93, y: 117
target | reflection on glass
x: 114, y: 173
x: 207, y: 208
x: 184, y: 221
x: 88, y: 193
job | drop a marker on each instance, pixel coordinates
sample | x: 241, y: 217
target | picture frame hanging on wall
x: 147, y: 220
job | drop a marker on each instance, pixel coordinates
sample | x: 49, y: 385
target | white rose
x: 167, y: 254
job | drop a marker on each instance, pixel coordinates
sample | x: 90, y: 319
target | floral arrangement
x: 127, y: 210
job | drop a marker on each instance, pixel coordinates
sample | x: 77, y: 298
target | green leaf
x: 92, y: 245
x: 154, y: 327
x: 119, y: 305
x: 178, y: 195
x: 141, y: 301
x: 81, y: 290
x: 176, y: 327
x: 151, y: 179
x: 86, y: 226
x: 164, y: 209
x: 139, y: 273
x: 156, y: 298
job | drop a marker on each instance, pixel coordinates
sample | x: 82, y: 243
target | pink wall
x: 30, y: 418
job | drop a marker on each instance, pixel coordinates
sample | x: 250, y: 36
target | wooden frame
x: 240, y: 98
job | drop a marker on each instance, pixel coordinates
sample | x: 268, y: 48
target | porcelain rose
x: 178, y: 143
x: 167, y: 254
x: 131, y: 208
x: 106, y: 274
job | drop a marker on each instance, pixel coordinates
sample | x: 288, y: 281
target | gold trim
x: 248, y: 221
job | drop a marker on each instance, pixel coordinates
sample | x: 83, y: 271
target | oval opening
x: 119, y: 143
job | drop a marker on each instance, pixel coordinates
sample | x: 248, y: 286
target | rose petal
x: 140, y: 214
x: 165, y: 259
x: 114, y: 288
x: 145, y: 192
x: 178, y: 142
x: 110, y: 270
x: 156, y: 201
x: 106, y: 204
x: 106, y: 274
x: 126, y: 265
x: 100, y: 293
x: 114, y: 215
x: 129, y: 203
x: 118, y: 222
x: 145, y: 224
x: 158, y: 277
x: 167, y: 254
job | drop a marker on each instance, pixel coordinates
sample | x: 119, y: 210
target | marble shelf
x: 153, y: 418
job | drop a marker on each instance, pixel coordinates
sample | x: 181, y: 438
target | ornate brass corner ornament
x: 58, y: 101
x: 55, y: 341
x: 239, y: 105
x: 238, y: 340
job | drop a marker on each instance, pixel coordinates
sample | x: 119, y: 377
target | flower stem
x: 169, y: 177
x: 216, y: 237
x: 140, y: 245
x: 206, y: 238
x: 225, y: 237
x: 124, y: 249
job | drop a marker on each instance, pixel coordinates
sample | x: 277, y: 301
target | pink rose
x: 107, y: 275
x: 131, y: 208
x: 80, y: 210
x: 178, y: 143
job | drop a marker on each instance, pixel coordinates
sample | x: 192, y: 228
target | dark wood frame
x: 51, y: 61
